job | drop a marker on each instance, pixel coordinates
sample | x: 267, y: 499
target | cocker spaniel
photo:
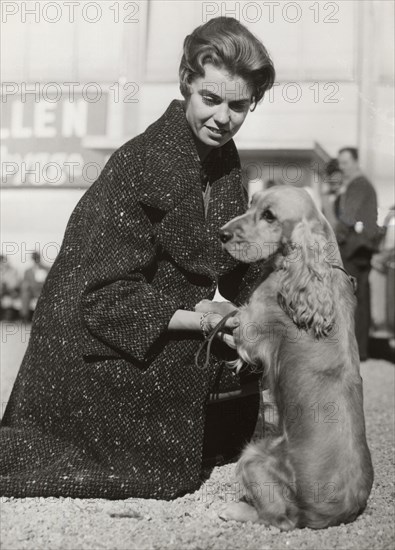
x: 298, y: 327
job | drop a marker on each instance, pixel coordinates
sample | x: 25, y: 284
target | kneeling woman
x: 108, y: 401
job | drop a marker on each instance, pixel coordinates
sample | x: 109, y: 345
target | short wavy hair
x: 225, y: 42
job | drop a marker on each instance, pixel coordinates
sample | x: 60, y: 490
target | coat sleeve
x: 122, y: 313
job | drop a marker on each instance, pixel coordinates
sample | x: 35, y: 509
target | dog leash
x: 209, y: 340
x: 352, y: 279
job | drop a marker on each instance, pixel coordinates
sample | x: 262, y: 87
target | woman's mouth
x: 217, y: 131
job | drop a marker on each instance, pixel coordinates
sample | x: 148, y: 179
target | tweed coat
x: 108, y: 403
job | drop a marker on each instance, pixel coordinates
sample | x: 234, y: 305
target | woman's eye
x: 268, y: 216
x: 208, y: 100
x: 239, y: 108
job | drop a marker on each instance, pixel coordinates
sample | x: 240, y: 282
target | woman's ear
x: 305, y: 292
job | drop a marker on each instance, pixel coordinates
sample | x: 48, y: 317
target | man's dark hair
x: 352, y: 150
x: 332, y: 167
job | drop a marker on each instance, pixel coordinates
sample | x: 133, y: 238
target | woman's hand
x: 211, y: 321
x: 191, y: 320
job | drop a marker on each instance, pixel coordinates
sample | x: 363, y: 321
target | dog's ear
x: 305, y: 292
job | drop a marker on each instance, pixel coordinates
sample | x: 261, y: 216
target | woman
x: 108, y: 401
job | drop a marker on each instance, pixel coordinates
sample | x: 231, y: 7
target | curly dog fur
x: 298, y: 327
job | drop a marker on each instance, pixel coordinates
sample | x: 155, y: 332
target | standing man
x: 356, y: 233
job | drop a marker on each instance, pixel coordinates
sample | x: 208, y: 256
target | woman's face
x: 217, y: 106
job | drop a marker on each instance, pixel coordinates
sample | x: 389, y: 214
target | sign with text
x: 42, y: 129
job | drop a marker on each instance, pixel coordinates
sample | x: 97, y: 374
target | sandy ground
x: 191, y: 522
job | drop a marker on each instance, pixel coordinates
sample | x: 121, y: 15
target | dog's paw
x: 239, y: 511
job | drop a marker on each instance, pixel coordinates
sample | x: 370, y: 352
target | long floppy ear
x: 305, y: 292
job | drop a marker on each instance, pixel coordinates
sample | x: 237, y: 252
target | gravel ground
x: 191, y: 522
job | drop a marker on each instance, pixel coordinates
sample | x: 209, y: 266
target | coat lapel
x: 171, y: 188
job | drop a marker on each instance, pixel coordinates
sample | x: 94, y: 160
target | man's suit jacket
x: 357, y: 204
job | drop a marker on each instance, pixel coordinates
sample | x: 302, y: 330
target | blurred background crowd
x: 19, y: 294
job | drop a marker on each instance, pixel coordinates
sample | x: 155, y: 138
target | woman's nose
x: 225, y: 235
x: 222, y: 115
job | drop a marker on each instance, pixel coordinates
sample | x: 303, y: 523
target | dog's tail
x: 268, y: 483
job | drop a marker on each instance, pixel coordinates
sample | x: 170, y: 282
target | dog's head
x: 284, y: 224
x: 273, y: 220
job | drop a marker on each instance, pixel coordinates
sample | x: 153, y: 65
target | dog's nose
x: 225, y: 235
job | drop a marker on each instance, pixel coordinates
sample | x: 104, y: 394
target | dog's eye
x: 268, y: 216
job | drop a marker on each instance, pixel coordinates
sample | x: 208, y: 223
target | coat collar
x: 172, y: 184
x: 170, y: 155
